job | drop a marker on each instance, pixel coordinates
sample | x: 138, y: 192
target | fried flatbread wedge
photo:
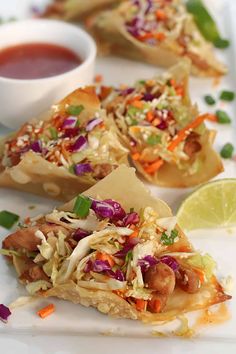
x: 118, y: 249
x: 156, y: 32
x: 168, y: 141
x: 63, y: 152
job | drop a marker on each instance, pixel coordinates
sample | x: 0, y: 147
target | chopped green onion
x: 54, y: 133
x: 169, y: 240
x: 77, y: 123
x: 221, y: 43
x: 227, y: 96
x: 75, y: 110
x: 154, y: 139
x: 131, y: 210
x: 209, y: 100
x: 206, y: 23
x: 133, y: 122
x: 82, y: 206
x: 132, y: 111
x: 72, y: 169
x: 223, y: 117
x: 227, y: 151
x: 142, y: 82
x: 129, y: 256
x: 8, y: 219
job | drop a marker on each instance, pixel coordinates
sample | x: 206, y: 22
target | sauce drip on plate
x: 30, y: 61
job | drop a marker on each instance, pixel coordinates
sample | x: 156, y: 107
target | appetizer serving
x: 76, y: 9
x: 64, y: 151
x: 158, y: 32
x: 168, y: 141
x: 118, y: 250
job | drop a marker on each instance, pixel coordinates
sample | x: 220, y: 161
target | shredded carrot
x: 137, y: 104
x: 156, y: 305
x: 160, y: 15
x: 120, y: 293
x: 136, y: 98
x: 156, y: 121
x: 179, y: 89
x: 153, y: 167
x: 27, y: 220
x: 141, y: 304
x: 212, y: 117
x: 182, y: 134
x: 201, y: 275
x: 136, y: 156
x: 172, y: 82
x: 134, y: 234
x: 46, y: 311
x: 150, y: 116
x: 145, y: 36
x: 160, y: 36
x: 105, y: 257
x: 184, y: 249
x: 98, y: 78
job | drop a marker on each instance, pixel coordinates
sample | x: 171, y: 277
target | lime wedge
x: 211, y: 205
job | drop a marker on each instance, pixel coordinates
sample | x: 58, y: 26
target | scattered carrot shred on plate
x: 46, y: 311
x: 98, y: 78
x: 212, y: 117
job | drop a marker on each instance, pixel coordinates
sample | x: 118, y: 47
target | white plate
x: 74, y: 329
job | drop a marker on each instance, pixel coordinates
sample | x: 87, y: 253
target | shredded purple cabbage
x: 171, y: 262
x: 88, y: 266
x: 4, y: 313
x: 93, y: 123
x: 69, y: 123
x: 108, y: 209
x: 101, y: 266
x: 128, y: 247
x: 148, y: 97
x: 162, y: 125
x: 131, y: 218
x: 147, y: 262
x: 119, y: 212
x: 79, y: 144
x: 82, y: 168
x: 127, y: 91
x: 36, y: 146
x: 149, y: 6
x: 118, y: 274
x: 79, y: 234
x: 71, y: 133
x: 102, y: 209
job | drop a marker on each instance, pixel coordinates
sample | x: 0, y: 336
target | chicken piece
x: 102, y: 170
x: 188, y: 280
x: 33, y: 273
x: 161, y: 278
x: 25, y: 238
x: 192, y: 145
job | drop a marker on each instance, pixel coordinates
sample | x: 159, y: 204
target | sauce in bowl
x: 30, y: 61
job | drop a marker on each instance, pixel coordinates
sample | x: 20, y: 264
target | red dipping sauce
x: 36, y: 61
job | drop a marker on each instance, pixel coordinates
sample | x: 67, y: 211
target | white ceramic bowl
x: 24, y: 99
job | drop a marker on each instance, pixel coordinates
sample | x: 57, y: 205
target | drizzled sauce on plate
x: 30, y: 61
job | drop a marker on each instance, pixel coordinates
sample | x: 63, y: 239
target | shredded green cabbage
x: 34, y: 287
